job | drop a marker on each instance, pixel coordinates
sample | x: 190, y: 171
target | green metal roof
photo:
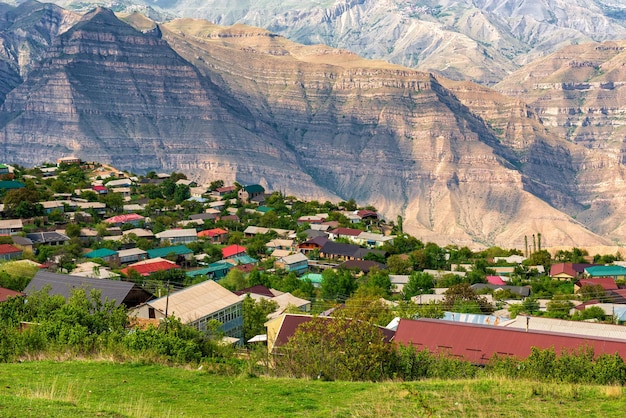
x: 264, y: 209
x: 100, y: 253
x: 607, y: 271
x: 244, y: 259
x: 7, y: 184
x: 315, y: 278
x: 162, y: 252
x: 254, y: 188
x: 215, y: 267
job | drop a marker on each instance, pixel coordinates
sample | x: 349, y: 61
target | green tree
x: 114, y: 201
x: 235, y: 280
x: 365, y: 304
x: 592, y: 291
x: 398, y: 265
x: 181, y: 193
x: 559, y: 307
x: 462, y: 298
x: 72, y: 230
x: 419, y: 283
x: 336, y: 349
x: 337, y: 285
x: 216, y: 184
x: 255, y: 315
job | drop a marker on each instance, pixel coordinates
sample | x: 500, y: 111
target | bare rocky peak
x: 479, y: 40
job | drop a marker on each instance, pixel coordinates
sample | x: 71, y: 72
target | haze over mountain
x: 479, y: 40
x: 460, y: 162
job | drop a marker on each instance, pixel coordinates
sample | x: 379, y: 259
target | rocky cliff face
x: 459, y: 162
x: 579, y: 95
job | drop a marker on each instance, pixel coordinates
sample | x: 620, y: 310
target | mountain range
x: 478, y: 40
x: 461, y: 163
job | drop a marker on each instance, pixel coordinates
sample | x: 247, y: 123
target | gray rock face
x: 459, y: 162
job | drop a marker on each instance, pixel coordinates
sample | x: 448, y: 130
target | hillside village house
x: 104, y: 254
x: 232, y: 251
x: 6, y: 172
x: 120, y: 292
x: 5, y: 294
x: 147, y: 267
x: 180, y: 251
x: 479, y: 343
x: 22, y: 242
x: 249, y: 193
x: 11, y: 226
x: 132, y: 255
x: 130, y: 218
x: 48, y: 238
x: 252, y: 230
x: 615, y: 272
x: 215, y: 235
x: 298, y: 263
x: 607, y: 283
x: 9, y: 252
x: 568, y: 271
x: 68, y: 161
x: 93, y: 270
x: 178, y: 236
x: 196, y: 306
x: 284, y: 300
x: 372, y: 240
x: 214, y: 271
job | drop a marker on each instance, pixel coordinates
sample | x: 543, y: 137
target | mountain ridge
x: 481, y: 40
x: 240, y: 103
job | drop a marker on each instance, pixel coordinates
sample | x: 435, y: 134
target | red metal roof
x: 346, y: 231
x: 478, y: 343
x: 212, y: 232
x: 8, y: 293
x: 607, y: 283
x: 257, y: 290
x: 149, y: 268
x: 9, y: 249
x: 364, y: 213
x: 120, y: 219
x: 225, y: 189
x: 497, y: 280
x: 233, y: 250
x: 563, y: 268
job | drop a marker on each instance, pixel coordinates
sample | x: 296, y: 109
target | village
x: 255, y: 264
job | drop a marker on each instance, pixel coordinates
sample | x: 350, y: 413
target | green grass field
x: 106, y: 389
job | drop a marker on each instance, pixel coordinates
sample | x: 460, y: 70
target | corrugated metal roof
x: 598, y: 271
x: 64, y: 284
x: 177, y: 233
x: 100, y: 252
x: 8, y: 293
x: 588, y: 329
x: 197, y: 302
x: 479, y: 343
x: 480, y: 319
x: 131, y: 251
x: 164, y: 251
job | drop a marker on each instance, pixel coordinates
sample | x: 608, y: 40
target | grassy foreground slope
x: 105, y: 389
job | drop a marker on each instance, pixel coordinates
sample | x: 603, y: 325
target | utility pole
x: 167, y: 302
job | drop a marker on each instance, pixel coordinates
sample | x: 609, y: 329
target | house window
x: 151, y: 313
